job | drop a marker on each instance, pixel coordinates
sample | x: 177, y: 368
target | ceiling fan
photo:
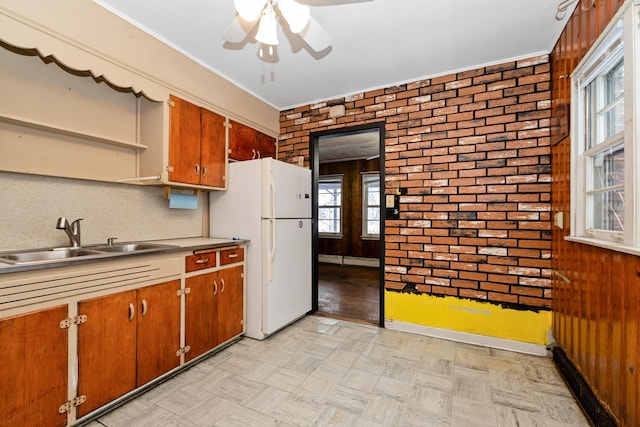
x: 265, y: 14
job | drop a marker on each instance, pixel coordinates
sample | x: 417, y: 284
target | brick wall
x: 472, y: 152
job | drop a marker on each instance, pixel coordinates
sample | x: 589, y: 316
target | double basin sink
x: 85, y: 252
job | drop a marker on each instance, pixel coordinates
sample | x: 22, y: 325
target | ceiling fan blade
x: 237, y: 30
x: 315, y: 36
x: 249, y: 10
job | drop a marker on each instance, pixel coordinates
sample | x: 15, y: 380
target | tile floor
x: 327, y: 372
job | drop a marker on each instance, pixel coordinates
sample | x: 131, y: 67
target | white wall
x: 31, y: 204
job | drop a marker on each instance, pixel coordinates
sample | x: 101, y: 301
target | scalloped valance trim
x: 21, y: 34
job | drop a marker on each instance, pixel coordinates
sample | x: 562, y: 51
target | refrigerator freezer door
x: 287, y: 190
x: 286, y: 248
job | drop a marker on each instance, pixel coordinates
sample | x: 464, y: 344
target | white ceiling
x: 375, y: 43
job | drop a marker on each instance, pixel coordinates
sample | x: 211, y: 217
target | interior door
x: 287, y: 266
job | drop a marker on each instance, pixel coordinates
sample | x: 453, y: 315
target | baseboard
x: 349, y: 260
x: 366, y: 262
x: 330, y: 259
x: 581, y: 390
x: 465, y: 337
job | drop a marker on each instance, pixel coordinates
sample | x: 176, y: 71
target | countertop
x: 179, y: 245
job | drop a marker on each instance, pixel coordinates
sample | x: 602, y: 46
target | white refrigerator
x: 268, y: 202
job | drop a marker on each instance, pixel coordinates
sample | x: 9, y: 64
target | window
x: 330, y: 206
x: 371, y: 205
x: 604, y: 138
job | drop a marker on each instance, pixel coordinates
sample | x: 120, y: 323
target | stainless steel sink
x: 46, y: 255
x: 130, y: 247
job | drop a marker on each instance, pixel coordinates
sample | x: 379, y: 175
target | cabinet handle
x: 204, y: 170
x: 222, y: 282
x: 202, y: 261
x: 253, y: 156
x: 215, y: 287
x: 132, y: 311
x: 232, y: 256
x: 144, y: 307
x: 259, y: 154
x: 197, y: 169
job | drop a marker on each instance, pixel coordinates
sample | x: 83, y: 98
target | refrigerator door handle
x: 272, y: 199
x: 272, y: 253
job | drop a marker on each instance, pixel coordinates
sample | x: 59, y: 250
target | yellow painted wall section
x: 474, y: 317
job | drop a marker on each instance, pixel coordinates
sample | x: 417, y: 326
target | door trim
x: 314, y: 162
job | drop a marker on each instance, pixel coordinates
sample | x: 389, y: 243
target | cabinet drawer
x: 200, y: 261
x: 230, y: 256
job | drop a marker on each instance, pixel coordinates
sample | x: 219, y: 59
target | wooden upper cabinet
x: 197, y: 145
x: 184, y: 141
x: 33, y: 383
x: 266, y: 145
x: 213, y: 149
x: 246, y: 143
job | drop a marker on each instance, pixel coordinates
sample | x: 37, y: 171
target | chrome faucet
x: 73, y: 230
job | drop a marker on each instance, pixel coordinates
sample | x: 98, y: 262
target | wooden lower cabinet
x: 214, y: 309
x: 230, y: 303
x: 129, y: 339
x: 33, y: 383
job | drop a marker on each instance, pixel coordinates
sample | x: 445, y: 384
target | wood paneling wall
x: 596, y: 295
x: 351, y: 243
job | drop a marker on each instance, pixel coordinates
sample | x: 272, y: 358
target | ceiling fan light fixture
x: 297, y: 15
x: 249, y: 10
x: 268, y: 27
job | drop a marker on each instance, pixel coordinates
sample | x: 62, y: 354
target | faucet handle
x: 110, y: 240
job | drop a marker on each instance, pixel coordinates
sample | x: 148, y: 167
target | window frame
x: 602, y: 58
x: 326, y: 179
x: 368, y: 176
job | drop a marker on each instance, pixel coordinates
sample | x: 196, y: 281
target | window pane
x: 614, y: 83
x: 373, y: 227
x: 608, y: 210
x: 329, y: 194
x: 614, y: 119
x: 608, y: 168
x: 589, y: 114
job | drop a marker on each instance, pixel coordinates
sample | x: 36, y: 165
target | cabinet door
x: 184, y: 141
x: 158, y: 335
x: 266, y: 146
x: 201, y: 314
x: 213, y: 149
x: 106, y: 349
x: 33, y: 383
x: 230, y: 303
x: 242, y: 142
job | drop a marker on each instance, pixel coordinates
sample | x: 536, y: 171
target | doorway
x: 348, y: 223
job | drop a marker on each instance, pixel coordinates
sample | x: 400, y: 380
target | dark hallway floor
x: 349, y: 292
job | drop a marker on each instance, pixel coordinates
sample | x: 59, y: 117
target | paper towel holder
x: 167, y: 192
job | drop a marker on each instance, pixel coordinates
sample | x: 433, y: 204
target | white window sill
x: 370, y: 237
x: 604, y: 244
